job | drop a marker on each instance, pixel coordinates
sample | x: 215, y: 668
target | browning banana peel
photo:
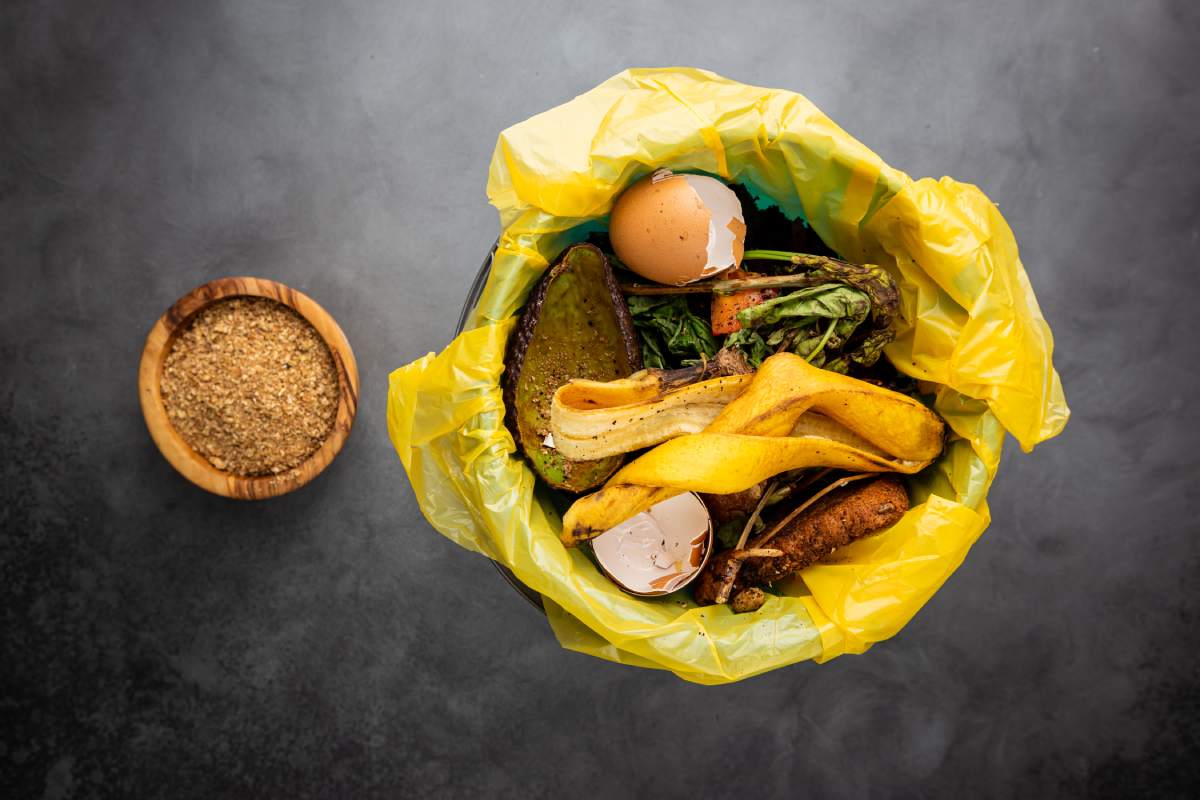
x: 860, y: 427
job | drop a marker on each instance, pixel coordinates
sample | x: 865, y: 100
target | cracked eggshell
x: 676, y: 229
x: 659, y: 551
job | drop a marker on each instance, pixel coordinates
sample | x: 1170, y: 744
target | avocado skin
x: 576, y: 325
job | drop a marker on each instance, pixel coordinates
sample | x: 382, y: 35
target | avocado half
x: 576, y: 325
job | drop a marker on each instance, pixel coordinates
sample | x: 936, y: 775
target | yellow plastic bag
x: 971, y: 325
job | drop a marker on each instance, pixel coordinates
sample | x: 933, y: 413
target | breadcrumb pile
x: 251, y: 386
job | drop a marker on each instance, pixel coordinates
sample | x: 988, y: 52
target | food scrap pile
x: 670, y: 359
x: 834, y: 314
x: 251, y: 386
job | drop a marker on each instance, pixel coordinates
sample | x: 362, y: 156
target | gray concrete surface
x: 160, y: 642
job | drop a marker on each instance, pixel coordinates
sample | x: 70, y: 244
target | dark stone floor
x: 161, y: 642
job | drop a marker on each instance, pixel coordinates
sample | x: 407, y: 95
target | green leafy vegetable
x: 874, y: 280
x: 672, y: 336
x: 751, y: 344
x: 730, y: 531
x: 827, y: 301
x: 815, y: 322
x: 837, y: 315
x: 871, y: 348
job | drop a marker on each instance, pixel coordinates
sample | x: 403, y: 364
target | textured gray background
x: 158, y: 641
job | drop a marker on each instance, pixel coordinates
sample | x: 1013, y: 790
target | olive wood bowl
x: 195, y: 467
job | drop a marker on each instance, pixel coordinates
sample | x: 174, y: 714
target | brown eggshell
x: 660, y: 550
x: 739, y: 241
x: 659, y: 229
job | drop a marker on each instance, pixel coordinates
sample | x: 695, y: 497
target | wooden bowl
x: 196, y: 467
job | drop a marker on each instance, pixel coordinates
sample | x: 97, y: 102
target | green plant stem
x: 799, y: 259
x: 762, y: 502
x: 821, y: 344
x: 729, y: 285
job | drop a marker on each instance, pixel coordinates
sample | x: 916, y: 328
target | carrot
x: 725, y: 307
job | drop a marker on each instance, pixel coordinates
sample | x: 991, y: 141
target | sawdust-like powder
x: 251, y: 386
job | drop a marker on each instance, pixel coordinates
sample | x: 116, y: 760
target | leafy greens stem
x: 821, y: 344
x: 729, y: 285
x: 762, y: 501
x: 648, y: 290
x: 799, y: 259
x: 769, y: 255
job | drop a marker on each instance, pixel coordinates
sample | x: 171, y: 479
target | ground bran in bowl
x: 251, y: 386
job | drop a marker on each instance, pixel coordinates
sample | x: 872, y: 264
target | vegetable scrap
x: 814, y: 306
x: 672, y: 334
x: 761, y: 393
x: 575, y: 326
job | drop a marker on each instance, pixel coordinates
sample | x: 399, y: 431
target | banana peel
x: 622, y: 416
x: 767, y: 429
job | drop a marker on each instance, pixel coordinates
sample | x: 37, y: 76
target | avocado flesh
x: 576, y: 325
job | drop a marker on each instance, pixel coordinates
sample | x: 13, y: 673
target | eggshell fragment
x: 660, y: 550
x: 676, y: 229
x: 725, y: 240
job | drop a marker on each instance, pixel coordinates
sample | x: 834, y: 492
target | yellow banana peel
x: 621, y: 416
x: 646, y: 384
x: 763, y: 432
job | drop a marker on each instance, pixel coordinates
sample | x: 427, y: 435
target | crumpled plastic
x: 970, y: 328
